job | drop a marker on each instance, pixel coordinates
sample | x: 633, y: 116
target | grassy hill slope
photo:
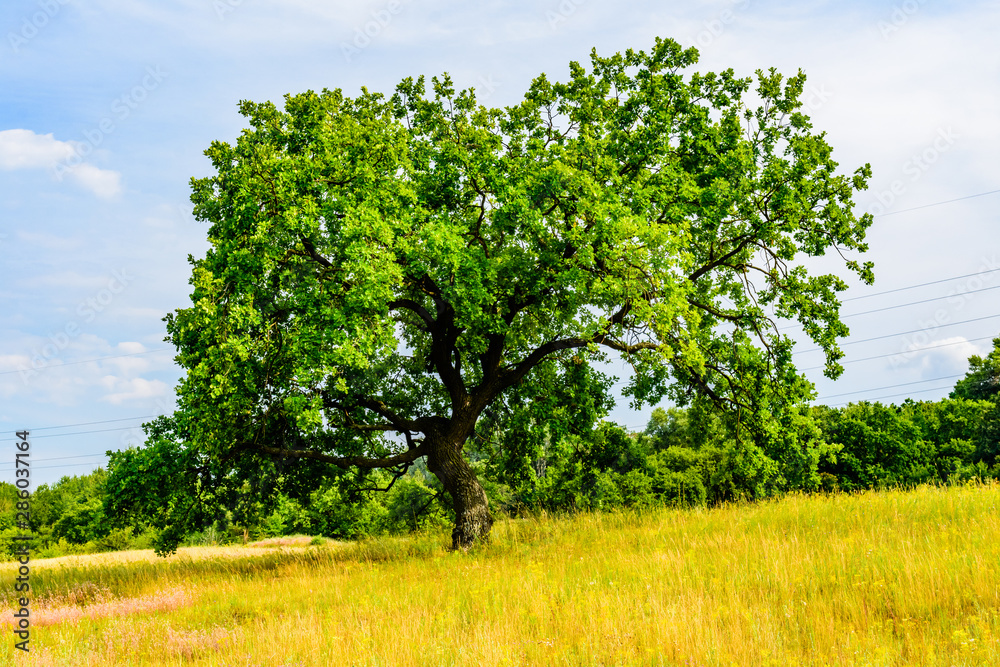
x: 889, y: 578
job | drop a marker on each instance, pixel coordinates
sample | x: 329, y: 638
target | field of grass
x: 890, y: 578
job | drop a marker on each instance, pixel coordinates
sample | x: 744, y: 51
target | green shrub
x: 118, y: 539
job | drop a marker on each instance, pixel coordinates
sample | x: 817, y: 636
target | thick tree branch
x: 378, y: 407
x: 518, y: 372
x: 744, y: 241
x: 409, y: 456
x: 444, y: 334
x: 713, y: 311
x: 625, y: 347
x: 413, y: 306
x: 314, y: 254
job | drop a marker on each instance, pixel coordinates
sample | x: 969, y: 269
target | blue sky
x: 106, y: 107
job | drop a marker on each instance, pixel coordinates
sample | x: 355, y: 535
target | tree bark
x: 473, y: 519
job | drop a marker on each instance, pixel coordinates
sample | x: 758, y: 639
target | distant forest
x: 685, y: 457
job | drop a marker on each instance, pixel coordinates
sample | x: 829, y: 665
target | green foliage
x: 162, y: 479
x: 982, y: 382
x: 67, y: 517
x: 944, y: 441
x: 696, y: 427
x: 545, y: 451
x: 118, y: 539
x: 694, y: 456
x: 8, y: 506
x: 49, y: 503
x: 685, y: 476
x: 988, y: 440
x: 81, y: 522
x: 534, y: 450
x: 344, y: 511
x: 413, y: 504
x: 879, y: 447
x: 958, y: 429
x: 529, y: 436
x: 337, y: 516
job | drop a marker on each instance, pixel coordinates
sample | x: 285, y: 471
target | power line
x: 63, y: 458
x: 890, y: 386
x: 902, y: 305
x: 901, y: 333
x: 893, y: 354
x: 106, y: 421
x: 68, y: 465
x: 59, y: 458
x: 797, y: 352
x: 879, y: 398
x: 84, y: 361
x: 938, y: 203
x: 913, y: 303
x: 865, y: 296
x: 105, y: 430
x: 933, y: 282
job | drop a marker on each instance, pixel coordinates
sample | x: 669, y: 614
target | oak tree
x: 384, y: 269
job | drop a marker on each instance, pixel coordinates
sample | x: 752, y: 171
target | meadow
x: 875, y: 578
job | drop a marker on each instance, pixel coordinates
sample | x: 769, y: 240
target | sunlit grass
x: 891, y: 578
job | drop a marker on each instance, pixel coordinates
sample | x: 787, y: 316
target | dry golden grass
x: 263, y: 548
x: 892, y: 578
x: 293, y: 541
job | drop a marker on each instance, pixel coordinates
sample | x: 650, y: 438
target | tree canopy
x: 982, y: 381
x: 385, y: 270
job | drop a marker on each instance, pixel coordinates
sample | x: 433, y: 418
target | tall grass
x: 888, y: 578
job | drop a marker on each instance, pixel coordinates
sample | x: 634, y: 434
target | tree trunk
x: 472, y: 509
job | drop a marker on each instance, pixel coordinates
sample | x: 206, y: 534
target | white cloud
x: 134, y: 389
x: 102, y: 182
x: 23, y: 149
x: 939, y: 358
x: 131, y: 347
